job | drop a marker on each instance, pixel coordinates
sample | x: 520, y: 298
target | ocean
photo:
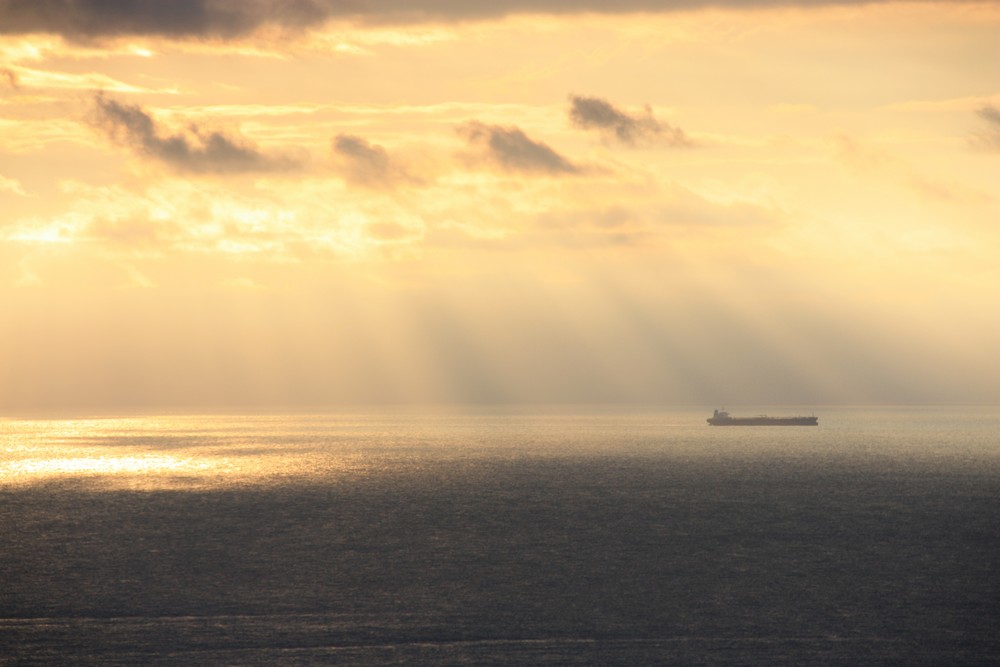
x: 498, y: 536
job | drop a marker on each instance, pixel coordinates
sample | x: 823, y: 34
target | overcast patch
x: 89, y: 19
x: 595, y: 113
x: 511, y: 149
x: 86, y: 20
x: 197, y: 151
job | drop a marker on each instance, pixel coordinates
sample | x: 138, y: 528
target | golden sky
x: 220, y: 203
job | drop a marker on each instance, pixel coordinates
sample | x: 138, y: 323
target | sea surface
x: 585, y: 536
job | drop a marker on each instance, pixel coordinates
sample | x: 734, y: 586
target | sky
x: 222, y: 204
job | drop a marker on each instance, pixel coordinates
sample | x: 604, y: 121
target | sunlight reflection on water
x: 103, y: 465
x: 227, y: 450
x: 160, y: 452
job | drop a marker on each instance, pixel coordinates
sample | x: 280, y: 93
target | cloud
x: 197, y: 151
x: 595, y: 113
x: 676, y: 210
x: 87, y: 81
x: 9, y: 76
x: 142, y: 233
x: 511, y: 148
x: 872, y: 162
x: 83, y: 20
x: 991, y: 137
x: 599, y: 227
x: 363, y: 163
x: 88, y: 20
x: 687, y: 208
x: 991, y: 114
x: 12, y: 186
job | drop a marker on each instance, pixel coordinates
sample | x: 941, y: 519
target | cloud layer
x: 84, y: 20
x: 198, y: 151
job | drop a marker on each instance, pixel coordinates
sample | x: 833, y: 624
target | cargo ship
x: 722, y: 418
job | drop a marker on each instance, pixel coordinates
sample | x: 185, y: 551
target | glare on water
x: 103, y: 465
x: 154, y: 452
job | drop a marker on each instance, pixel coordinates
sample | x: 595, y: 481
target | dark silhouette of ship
x: 722, y: 418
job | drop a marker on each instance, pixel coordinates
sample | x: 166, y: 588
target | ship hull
x: 763, y: 421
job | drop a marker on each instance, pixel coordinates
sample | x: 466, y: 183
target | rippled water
x: 598, y: 536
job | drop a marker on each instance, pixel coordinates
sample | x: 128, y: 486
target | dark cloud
x: 991, y: 137
x: 991, y: 114
x: 595, y: 113
x: 85, y: 20
x: 196, y: 151
x: 511, y: 148
x: 88, y: 19
x: 363, y: 163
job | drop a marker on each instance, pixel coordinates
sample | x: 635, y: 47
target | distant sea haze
x: 490, y: 537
